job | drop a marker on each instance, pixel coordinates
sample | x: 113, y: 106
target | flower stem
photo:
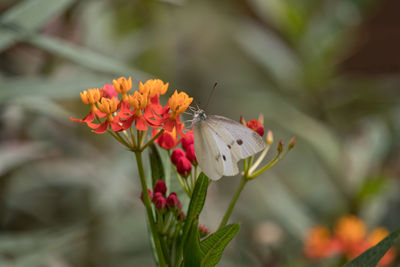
x: 149, y: 211
x: 233, y: 202
x: 152, y: 140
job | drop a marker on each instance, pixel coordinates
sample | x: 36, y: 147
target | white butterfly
x: 219, y: 143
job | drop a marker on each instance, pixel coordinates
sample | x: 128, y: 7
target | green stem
x: 152, y: 139
x: 266, y: 167
x: 149, y: 211
x: 233, y: 202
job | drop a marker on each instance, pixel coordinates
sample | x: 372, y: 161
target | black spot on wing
x: 239, y: 142
x: 223, y: 156
x: 229, y: 146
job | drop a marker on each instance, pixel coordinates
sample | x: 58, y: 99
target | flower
x: 190, y: 154
x: 167, y: 139
x: 203, y: 231
x: 153, y: 89
x: 173, y: 201
x: 90, y: 97
x: 176, y: 154
x: 160, y: 187
x: 122, y: 86
x: 184, y: 167
x: 108, y: 107
x: 150, y: 195
x: 108, y: 91
x: 256, y: 126
x: 350, y: 231
x: 318, y: 244
x: 177, y: 104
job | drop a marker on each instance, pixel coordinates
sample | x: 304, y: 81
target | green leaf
x: 195, y: 206
x: 213, y: 246
x: 197, y: 202
x: 156, y: 165
x: 191, y: 251
x: 28, y: 15
x: 372, y: 256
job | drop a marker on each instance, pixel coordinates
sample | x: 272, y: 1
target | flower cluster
x: 113, y: 108
x: 349, y: 239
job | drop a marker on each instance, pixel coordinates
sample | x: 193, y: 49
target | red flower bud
x: 187, y: 140
x: 160, y: 203
x: 190, y: 154
x: 160, y: 187
x: 203, y: 231
x: 156, y: 196
x: 183, y: 166
x: 173, y: 201
x: 108, y: 91
x: 150, y: 194
x: 176, y: 154
x: 256, y: 126
x: 167, y: 140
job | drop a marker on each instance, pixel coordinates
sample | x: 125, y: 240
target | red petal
x: 100, y: 114
x: 125, y: 107
x: 102, y: 127
x: 141, y: 123
x: 127, y: 123
x: 169, y: 125
x: 115, y: 126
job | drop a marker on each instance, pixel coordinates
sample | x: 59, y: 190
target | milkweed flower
x: 160, y: 187
x: 167, y: 140
x: 177, y: 104
x: 108, y: 107
x: 90, y: 97
x: 176, y: 154
x: 318, y: 244
x: 108, y: 91
x: 184, y: 167
x: 153, y: 89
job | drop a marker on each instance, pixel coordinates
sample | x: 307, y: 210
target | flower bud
x: 190, y: 154
x: 176, y: 154
x: 184, y: 166
x: 160, y: 187
x: 187, y: 140
x: 242, y: 120
x: 173, y: 201
x: 150, y: 194
x: 203, y: 231
x: 157, y: 195
x: 292, y: 142
x: 270, y: 137
x: 280, y: 146
x: 257, y: 126
x: 108, y: 91
x: 167, y: 140
x: 160, y: 203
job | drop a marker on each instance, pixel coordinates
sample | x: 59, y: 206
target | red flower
x: 90, y: 97
x: 160, y: 187
x: 184, y: 167
x: 177, y: 104
x: 166, y: 140
x: 153, y: 89
x: 256, y: 126
x: 190, y: 154
x: 176, y: 154
x: 108, y: 107
x: 108, y: 91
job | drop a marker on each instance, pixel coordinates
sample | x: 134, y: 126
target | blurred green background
x: 326, y: 71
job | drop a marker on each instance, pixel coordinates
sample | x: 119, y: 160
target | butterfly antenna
x: 209, y: 97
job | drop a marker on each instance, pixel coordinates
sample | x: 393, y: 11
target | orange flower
x: 350, y: 231
x: 90, y: 97
x: 108, y: 107
x: 318, y: 244
x: 177, y: 104
x: 153, y: 89
x: 122, y: 85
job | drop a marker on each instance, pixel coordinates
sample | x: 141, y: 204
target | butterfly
x: 219, y: 143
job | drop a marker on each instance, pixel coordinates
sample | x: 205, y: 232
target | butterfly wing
x: 240, y: 140
x: 213, y: 156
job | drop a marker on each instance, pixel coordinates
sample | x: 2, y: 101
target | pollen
x: 90, y: 96
x: 108, y: 106
x: 179, y: 102
x: 138, y: 101
x: 153, y: 87
x: 122, y: 85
